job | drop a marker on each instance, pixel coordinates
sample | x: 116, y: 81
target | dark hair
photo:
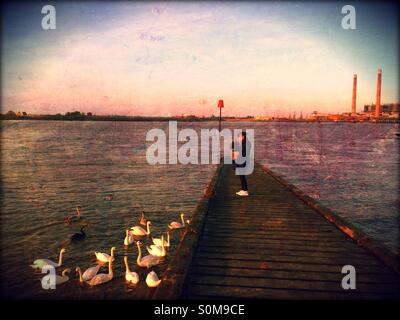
x: 244, y: 134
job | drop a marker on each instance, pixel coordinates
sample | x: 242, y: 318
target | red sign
x: 220, y: 103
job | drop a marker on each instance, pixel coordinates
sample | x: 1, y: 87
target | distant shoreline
x: 104, y: 118
x: 84, y: 117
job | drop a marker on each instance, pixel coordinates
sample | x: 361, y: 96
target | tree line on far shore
x: 77, y: 115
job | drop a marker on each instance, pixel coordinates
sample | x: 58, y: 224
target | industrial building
x: 388, y: 109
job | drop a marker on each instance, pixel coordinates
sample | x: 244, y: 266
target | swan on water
x: 139, y: 231
x: 104, y: 257
x: 88, y: 274
x: 128, y: 238
x: 158, y: 241
x: 177, y: 225
x: 152, y: 279
x: 40, y: 263
x: 48, y: 279
x: 101, y: 278
x: 147, y: 261
x: 63, y: 278
x: 158, y: 251
x: 130, y: 276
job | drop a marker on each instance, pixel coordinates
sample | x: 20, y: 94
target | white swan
x: 158, y: 242
x: 128, y: 238
x: 158, y: 251
x: 63, y: 278
x: 48, y: 279
x: 147, y: 261
x: 101, y: 278
x: 130, y: 276
x: 104, y: 257
x: 152, y: 279
x: 139, y: 231
x: 40, y: 263
x: 177, y: 225
x: 88, y: 274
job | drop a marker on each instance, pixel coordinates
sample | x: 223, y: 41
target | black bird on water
x: 79, y: 235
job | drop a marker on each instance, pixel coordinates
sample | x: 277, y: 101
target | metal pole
x: 220, y: 115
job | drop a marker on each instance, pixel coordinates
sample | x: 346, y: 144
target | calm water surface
x: 50, y: 167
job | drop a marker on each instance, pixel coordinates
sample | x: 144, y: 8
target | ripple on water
x: 48, y: 168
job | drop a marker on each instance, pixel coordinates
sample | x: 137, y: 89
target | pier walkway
x: 270, y: 245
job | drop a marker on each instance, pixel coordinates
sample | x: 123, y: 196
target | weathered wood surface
x: 272, y: 245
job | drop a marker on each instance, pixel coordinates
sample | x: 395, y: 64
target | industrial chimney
x: 353, y: 101
x: 378, y: 94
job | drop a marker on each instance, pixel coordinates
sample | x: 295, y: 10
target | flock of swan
x: 92, y: 277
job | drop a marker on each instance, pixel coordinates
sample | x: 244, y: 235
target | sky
x: 171, y: 58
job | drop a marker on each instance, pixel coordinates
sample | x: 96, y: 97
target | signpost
x: 220, y: 106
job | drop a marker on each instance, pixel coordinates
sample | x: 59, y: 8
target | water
x: 50, y: 167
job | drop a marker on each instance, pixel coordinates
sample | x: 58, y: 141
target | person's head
x: 243, y: 136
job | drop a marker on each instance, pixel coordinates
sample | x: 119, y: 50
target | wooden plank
x: 281, y: 245
x: 301, y: 275
x: 324, y: 246
x: 277, y: 236
x: 281, y: 232
x: 263, y: 216
x: 231, y: 292
x: 294, y: 248
x: 280, y: 265
x: 268, y: 222
x: 288, y: 284
x: 272, y: 221
x: 248, y: 247
x: 244, y: 217
x: 333, y: 260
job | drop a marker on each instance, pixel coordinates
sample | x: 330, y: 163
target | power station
x: 378, y: 109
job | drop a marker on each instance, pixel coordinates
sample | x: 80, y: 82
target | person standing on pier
x: 239, y: 160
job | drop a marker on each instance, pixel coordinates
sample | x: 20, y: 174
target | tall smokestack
x: 378, y: 94
x: 353, y: 101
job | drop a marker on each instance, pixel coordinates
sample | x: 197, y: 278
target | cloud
x: 166, y: 60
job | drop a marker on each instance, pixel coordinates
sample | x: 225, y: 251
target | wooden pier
x: 273, y: 244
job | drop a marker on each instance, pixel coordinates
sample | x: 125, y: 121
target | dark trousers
x: 243, y: 182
